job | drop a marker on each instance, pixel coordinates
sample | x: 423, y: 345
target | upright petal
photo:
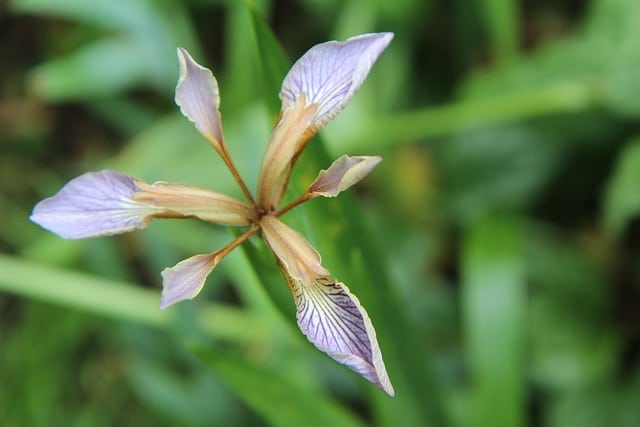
x: 186, y: 279
x: 329, y: 74
x: 93, y: 204
x: 342, y: 174
x: 197, y: 96
x: 290, y: 133
x: 299, y: 258
x: 333, y: 319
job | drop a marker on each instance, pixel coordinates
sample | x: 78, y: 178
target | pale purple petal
x: 330, y: 73
x: 197, y: 96
x: 186, y: 279
x: 93, y: 204
x: 300, y: 259
x: 342, y: 174
x: 333, y: 319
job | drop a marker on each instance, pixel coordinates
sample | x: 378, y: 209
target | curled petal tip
x: 342, y: 174
x: 198, y: 97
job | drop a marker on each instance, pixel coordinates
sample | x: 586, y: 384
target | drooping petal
x: 342, y: 174
x: 288, y: 135
x: 179, y: 200
x: 186, y: 279
x: 333, y: 319
x: 93, y: 204
x: 299, y: 258
x: 330, y: 73
x: 198, y: 97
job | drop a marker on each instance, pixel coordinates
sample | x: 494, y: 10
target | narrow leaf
x: 494, y: 308
x: 281, y: 403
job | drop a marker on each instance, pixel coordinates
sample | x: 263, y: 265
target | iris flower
x: 316, y: 89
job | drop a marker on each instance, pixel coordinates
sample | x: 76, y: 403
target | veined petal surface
x: 198, y: 97
x: 330, y: 73
x: 94, y: 204
x: 186, y: 279
x: 333, y: 319
x: 342, y: 174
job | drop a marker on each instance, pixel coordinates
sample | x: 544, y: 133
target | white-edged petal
x: 94, y: 204
x: 333, y: 319
x: 330, y: 73
x: 296, y: 254
x: 198, y: 97
x: 186, y: 279
x: 342, y: 174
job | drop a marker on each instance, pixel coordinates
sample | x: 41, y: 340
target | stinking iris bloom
x: 316, y: 89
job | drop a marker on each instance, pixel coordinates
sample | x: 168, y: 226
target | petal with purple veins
x: 333, y: 319
x: 93, y: 204
x: 330, y: 73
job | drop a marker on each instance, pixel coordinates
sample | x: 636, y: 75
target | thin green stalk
x: 119, y: 300
x: 396, y: 129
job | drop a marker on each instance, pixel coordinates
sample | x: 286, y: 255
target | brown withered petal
x: 299, y: 258
x: 342, y: 174
x: 292, y: 128
x: 178, y: 200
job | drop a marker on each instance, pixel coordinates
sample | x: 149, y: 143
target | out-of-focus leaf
x: 278, y: 401
x: 98, y: 69
x: 275, y: 63
x: 501, y: 21
x: 622, y: 202
x: 494, y: 309
x: 117, y: 300
x: 184, y: 399
x: 573, y: 344
x: 495, y: 169
x: 150, y: 29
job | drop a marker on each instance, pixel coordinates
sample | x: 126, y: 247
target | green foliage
x: 495, y: 248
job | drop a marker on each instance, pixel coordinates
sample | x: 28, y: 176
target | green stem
x: 396, y: 129
x: 119, y: 300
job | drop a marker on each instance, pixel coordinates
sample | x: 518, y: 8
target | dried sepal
x: 296, y: 254
x: 179, y: 200
x: 342, y: 174
x: 291, y: 132
x: 333, y: 319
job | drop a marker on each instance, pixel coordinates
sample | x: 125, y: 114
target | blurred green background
x: 496, y: 247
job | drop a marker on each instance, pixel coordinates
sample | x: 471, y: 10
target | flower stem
x: 303, y: 198
x: 238, y: 240
x: 236, y: 175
